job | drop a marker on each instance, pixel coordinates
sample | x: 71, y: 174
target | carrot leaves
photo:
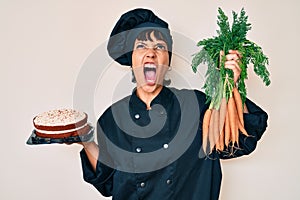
x: 219, y: 81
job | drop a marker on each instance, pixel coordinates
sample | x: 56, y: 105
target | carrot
x: 216, y: 129
x: 222, y: 114
x: 211, y: 130
x: 237, y: 130
x: 232, y: 119
x: 223, y: 111
x: 218, y: 145
x: 242, y: 129
x: 205, y: 127
x: 221, y: 139
x: 227, y: 130
x: 239, y: 104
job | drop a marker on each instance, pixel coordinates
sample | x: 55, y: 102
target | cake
x: 61, y: 123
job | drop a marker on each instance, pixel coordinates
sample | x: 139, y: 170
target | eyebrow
x: 162, y: 43
x: 140, y: 42
x: 158, y: 43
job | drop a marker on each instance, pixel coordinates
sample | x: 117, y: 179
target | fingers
x: 232, y: 62
x: 233, y: 55
x: 234, y: 66
x: 235, y: 52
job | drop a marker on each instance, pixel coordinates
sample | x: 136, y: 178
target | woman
x: 149, y: 143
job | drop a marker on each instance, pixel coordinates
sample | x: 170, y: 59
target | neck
x: 147, y: 97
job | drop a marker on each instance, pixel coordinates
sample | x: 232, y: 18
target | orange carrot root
x: 221, y: 139
x: 216, y: 129
x: 221, y: 127
x: 237, y: 133
x: 227, y: 132
x: 242, y: 129
x: 211, y: 131
x: 232, y: 113
x: 205, y: 128
x: 239, y: 104
x: 223, y: 111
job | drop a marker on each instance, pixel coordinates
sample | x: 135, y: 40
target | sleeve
x: 255, y: 124
x: 101, y: 179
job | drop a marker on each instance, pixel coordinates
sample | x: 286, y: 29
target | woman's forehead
x: 150, y: 35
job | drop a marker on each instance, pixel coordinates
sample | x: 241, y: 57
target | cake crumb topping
x: 59, y: 117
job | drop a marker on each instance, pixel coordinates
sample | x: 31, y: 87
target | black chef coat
x: 188, y: 175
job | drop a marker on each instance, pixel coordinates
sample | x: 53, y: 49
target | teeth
x: 148, y: 65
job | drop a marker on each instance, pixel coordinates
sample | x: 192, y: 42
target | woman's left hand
x: 232, y: 62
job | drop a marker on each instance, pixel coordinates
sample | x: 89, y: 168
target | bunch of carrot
x: 223, y: 120
x: 222, y: 126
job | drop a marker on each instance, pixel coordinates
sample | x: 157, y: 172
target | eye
x: 161, y: 47
x: 140, y: 46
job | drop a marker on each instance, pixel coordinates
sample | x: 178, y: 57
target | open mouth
x: 150, y: 73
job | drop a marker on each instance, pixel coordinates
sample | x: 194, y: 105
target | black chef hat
x: 130, y: 24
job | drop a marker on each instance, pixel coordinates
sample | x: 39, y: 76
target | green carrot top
x: 219, y: 81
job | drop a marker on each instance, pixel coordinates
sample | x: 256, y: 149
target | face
x: 150, y: 61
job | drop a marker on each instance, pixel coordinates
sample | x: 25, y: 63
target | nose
x: 150, y: 53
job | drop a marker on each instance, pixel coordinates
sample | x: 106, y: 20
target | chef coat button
x: 142, y: 184
x: 136, y: 116
x: 161, y: 112
x: 138, y: 149
x: 169, y: 181
x: 165, y: 146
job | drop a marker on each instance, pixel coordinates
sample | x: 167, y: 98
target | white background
x: 44, y: 44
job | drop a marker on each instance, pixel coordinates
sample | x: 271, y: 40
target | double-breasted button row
x: 137, y: 115
x: 139, y: 149
x: 143, y: 184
